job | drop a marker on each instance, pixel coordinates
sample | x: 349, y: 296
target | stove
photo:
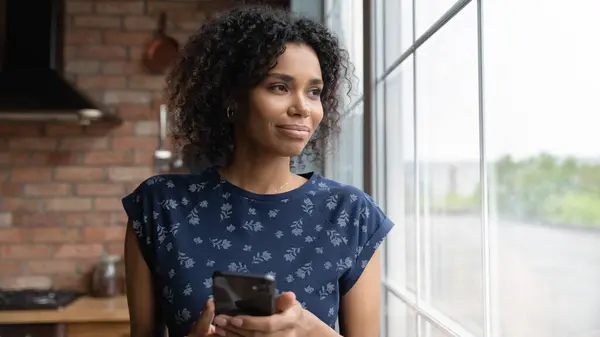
x: 30, y: 299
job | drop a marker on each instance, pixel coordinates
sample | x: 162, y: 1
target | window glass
x: 399, y: 175
x: 400, y: 320
x: 427, y: 12
x: 541, y: 107
x: 449, y: 176
x: 398, y: 31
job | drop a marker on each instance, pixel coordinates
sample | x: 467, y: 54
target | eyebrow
x: 289, y: 78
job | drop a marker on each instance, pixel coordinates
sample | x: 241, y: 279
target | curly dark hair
x: 231, y: 54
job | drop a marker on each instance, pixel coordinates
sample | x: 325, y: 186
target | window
x: 488, y: 162
x: 345, y: 163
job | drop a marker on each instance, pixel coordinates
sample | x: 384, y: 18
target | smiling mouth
x: 294, y: 127
x: 300, y: 132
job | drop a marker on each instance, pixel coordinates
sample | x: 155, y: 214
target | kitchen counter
x: 83, y: 310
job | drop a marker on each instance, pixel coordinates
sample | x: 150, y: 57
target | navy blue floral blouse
x: 315, y: 240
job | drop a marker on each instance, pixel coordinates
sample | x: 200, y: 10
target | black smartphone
x: 243, y: 294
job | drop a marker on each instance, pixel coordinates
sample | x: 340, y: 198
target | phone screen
x: 243, y: 294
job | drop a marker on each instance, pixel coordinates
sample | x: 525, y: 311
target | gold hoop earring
x: 229, y: 113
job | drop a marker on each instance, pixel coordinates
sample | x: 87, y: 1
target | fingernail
x: 220, y: 321
x: 220, y: 332
x: 236, y: 321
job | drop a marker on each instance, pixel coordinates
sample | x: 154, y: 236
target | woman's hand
x: 203, y: 326
x: 291, y: 320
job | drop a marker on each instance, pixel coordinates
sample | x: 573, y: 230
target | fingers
x: 289, y: 312
x: 202, y: 327
x: 285, y: 301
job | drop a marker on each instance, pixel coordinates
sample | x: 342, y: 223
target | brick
x: 108, y: 158
x: 140, y: 23
x: 96, y: 21
x: 82, y: 219
x: 27, y: 282
x: 146, y: 128
x: 11, y: 235
x: 41, y: 235
x: 83, y: 36
x: 120, y: 67
x: 155, y: 7
x: 104, y: 234
x: 79, y: 7
x: 6, y: 220
x: 136, y: 53
x: 28, y: 219
x: 85, y: 144
x: 114, y: 248
x: 35, y: 144
x: 31, y: 174
x: 113, y: 37
x: 10, y: 268
x: 82, y: 67
x: 14, y: 129
x: 99, y: 52
x: 10, y: 204
x: 100, y: 190
x: 107, y: 204
x: 66, y: 130
x: 78, y: 251
x: 135, y: 112
x: 127, y: 174
x: 77, y: 282
x: 26, y: 252
x: 127, y: 96
x: 143, y: 157
x: 101, y: 82
x: 123, y: 143
x: 147, y: 82
x: 79, y: 174
x: 47, y: 189
x: 8, y: 189
x: 68, y: 204
x: 120, y: 7
x: 51, y: 267
x: 54, y: 158
x: 70, y: 52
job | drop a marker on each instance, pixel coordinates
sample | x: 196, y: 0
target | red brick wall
x: 61, y: 185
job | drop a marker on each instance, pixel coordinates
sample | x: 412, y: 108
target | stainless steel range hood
x: 32, y: 85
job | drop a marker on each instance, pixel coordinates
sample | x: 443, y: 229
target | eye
x: 315, y: 92
x: 278, y: 88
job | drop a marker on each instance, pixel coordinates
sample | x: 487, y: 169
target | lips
x: 294, y: 127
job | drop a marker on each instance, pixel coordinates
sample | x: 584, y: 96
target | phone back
x: 243, y: 294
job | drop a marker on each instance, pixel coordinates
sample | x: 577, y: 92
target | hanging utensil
x: 162, y: 156
x: 162, y: 49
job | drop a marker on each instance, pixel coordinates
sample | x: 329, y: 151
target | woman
x: 250, y: 90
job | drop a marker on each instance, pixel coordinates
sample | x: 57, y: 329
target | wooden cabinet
x: 32, y: 330
x: 98, y: 330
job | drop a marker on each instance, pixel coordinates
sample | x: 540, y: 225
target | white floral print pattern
x: 315, y: 240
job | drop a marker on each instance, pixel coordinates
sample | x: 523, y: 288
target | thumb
x: 202, y: 327
x: 285, y: 301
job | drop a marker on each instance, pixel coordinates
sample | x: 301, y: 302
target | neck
x: 257, y: 172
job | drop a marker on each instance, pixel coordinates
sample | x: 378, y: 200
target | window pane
x: 345, y: 163
x: 429, y: 330
x: 399, y: 178
x: 400, y: 320
x: 427, y: 12
x: 448, y: 151
x: 398, y: 30
x: 543, y: 151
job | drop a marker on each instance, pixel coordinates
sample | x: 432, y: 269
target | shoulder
x: 166, y: 190
x: 345, y: 202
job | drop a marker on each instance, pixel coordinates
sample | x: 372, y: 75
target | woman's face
x: 285, y: 109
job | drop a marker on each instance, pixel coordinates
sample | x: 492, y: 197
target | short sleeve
x: 138, y: 205
x: 372, y: 228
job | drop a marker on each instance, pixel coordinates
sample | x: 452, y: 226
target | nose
x: 299, y: 109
